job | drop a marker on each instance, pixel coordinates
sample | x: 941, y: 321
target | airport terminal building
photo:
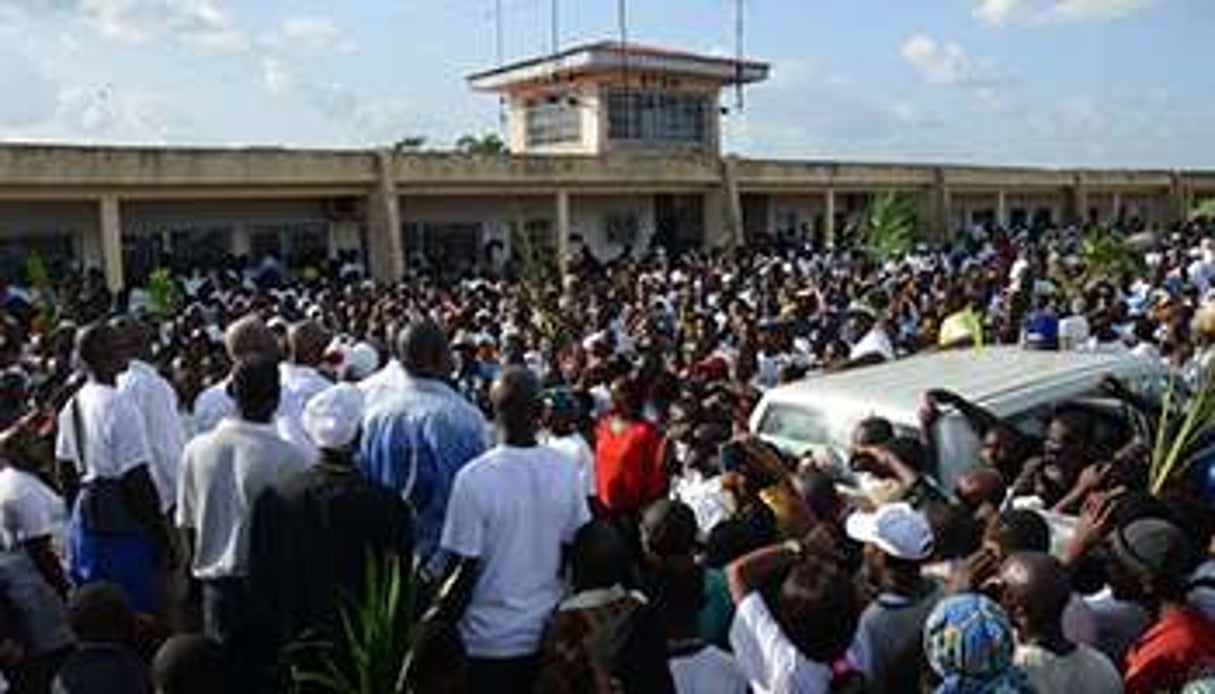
x: 612, y: 146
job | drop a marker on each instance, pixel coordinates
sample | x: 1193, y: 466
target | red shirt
x: 628, y: 464
x: 1176, y: 648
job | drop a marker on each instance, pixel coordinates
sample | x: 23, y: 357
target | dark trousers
x: 502, y: 675
x: 228, y: 618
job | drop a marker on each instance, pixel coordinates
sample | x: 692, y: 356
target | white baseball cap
x: 332, y: 417
x: 895, y: 528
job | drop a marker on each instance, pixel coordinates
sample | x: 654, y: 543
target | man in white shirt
x: 157, y: 403
x: 247, y: 338
x: 792, y: 647
x: 301, y: 379
x: 223, y: 473
x: 1036, y: 591
x: 562, y: 414
x: 511, y: 513
x: 117, y: 532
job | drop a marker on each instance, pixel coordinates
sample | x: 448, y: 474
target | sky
x: 1037, y: 82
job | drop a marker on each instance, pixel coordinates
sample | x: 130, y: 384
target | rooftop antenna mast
x: 500, y: 56
x: 555, y: 28
x: 739, y: 35
x: 622, y: 25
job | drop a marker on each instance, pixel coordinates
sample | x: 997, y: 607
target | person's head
x: 132, y: 337
x: 600, y: 557
x: 668, y: 529
x: 101, y: 613
x: 969, y: 643
x: 817, y: 607
x: 254, y: 385
x: 562, y: 411
x: 628, y: 401
x: 897, y: 539
x: 956, y: 532
x: 872, y: 431
x: 1017, y: 530
x: 99, y: 352
x: 1035, y: 590
x: 1068, y: 439
x: 250, y: 337
x: 817, y: 489
x: 423, y: 350
x: 515, y: 398
x: 306, y: 342
x: 189, y: 664
x: 979, y: 487
x: 333, y: 416
x: 1151, y: 562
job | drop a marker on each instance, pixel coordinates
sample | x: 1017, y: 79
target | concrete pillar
x: 1001, y: 209
x: 1116, y: 208
x: 563, y: 231
x: 734, y: 234
x: 241, y: 244
x: 111, y: 241
x: 942, y: 206
x: 1179, y: 198
x: 829, y: 217
x: 717, y: 228
x: 1078, y: 195
x: 386, y: 247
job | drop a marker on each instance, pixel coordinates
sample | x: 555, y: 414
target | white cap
x: 361, y: 361
x: 332, y: 417
x: 896, y: 528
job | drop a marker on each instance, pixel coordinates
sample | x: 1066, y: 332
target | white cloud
x: 997, y: 12
x: 110, y: 115
x: 1097, y: 10
x: 314, y: 32
x: 1003, y: 12
x: 938, y: 63
x: 202, y: 23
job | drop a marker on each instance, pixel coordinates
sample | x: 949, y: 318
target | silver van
x: 1021, y: 386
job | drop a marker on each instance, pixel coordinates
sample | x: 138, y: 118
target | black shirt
x: 312, y: 537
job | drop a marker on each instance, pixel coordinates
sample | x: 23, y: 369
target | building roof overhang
x: 613, y: 57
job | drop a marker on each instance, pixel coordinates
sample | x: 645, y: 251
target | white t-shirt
x: 513, y: 509
x: 28, y: 509
x: 301, y: 382
x: 381, y: 385
x: 214, y: 404
x: 115, y: 441
x: 708, y: 671
x: 579, y: 451
x: 767, y: 658
x: 1083, y: 671
x: 222, y: 475
x: 157, y: 404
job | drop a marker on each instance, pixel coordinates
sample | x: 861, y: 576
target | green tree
x: 889, y: 230
x: 489, y: 145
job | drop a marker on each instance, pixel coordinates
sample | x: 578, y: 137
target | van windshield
x: 793, y: 426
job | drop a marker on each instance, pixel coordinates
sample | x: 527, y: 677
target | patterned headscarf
x: 969, y: 643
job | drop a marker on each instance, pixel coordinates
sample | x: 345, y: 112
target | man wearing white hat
x: 898, y: 540
x: 313, y: 533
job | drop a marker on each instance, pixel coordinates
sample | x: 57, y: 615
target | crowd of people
x: 500, y: 484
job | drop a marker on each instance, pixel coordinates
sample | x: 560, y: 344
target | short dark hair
x: 817, y: 608
x: 189, y: 663
x: 1021, y: 530
x: 100, y: 612
x: 873, y: 431
x: 255, y: 385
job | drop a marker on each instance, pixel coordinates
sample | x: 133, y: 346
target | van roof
x: 1000, y: 378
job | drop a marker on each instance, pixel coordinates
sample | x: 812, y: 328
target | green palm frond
x: 890, y: 226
